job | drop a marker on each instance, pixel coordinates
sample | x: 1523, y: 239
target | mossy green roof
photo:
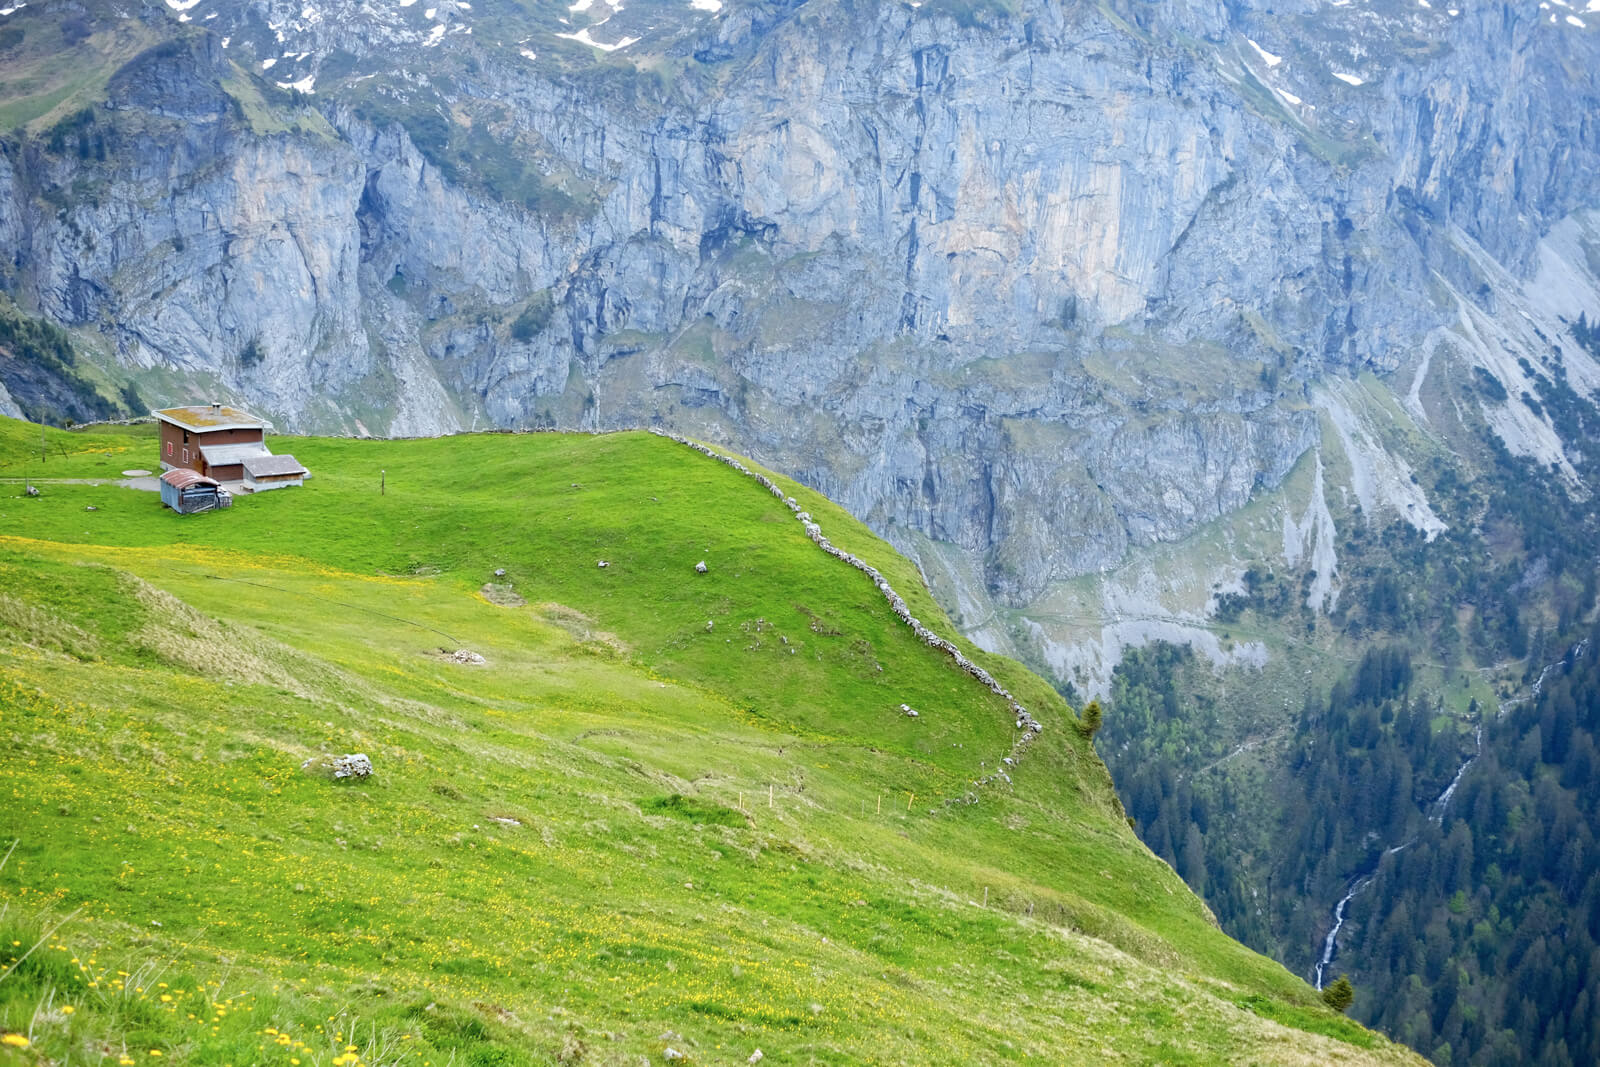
x: 210, y: 417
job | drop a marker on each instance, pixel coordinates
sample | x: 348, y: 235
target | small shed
x: 186, y: 492
x: 265, y: 472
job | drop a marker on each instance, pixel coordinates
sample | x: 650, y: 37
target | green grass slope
x: 667, y: 810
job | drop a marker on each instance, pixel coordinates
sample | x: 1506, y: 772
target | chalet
x: 225, y: 444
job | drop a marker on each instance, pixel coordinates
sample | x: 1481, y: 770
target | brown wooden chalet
x: 226, y: 444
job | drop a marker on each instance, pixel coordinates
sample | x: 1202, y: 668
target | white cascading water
x: 1330, y: 946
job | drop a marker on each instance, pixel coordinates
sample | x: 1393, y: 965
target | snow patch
x: 582, y: 37
x: 407, y: 3
x: 1290, y: 97
x: 529, y: 55
x: 1349, y: 79
x: 14, y: 8
x: 225, y: 41
x: 1378, y: 478
x: 301, y: 86
x: 435, y: 35
x: 1573, y: 20
x: 268, y: 64
x: 176, y: 5
x: 1266, y: 57
x: 712, y: 6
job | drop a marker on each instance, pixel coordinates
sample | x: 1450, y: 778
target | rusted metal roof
x: 205, y: 418
x: 270, y: 466
x: 184, y: 478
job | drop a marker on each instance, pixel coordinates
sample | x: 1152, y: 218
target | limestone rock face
x: 1041, y: 281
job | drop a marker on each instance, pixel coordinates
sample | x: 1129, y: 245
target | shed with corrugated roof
x: 186, y: 492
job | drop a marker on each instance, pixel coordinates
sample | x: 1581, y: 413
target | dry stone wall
x: 1028, y: 726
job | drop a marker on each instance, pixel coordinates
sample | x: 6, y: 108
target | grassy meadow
x: 667, y: 809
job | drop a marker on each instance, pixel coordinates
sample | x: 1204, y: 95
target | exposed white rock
x: 355, y: 765
x: 1311, y: 540
x: 1090, y: 663
x: 1380, y: 479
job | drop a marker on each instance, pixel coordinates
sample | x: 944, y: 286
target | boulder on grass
x: 354, y: 765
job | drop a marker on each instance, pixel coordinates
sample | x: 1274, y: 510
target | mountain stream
x: 1330, y: 943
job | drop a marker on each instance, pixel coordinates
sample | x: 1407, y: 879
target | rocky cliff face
x: 1042, y: 282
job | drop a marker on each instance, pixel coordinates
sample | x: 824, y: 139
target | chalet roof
x: 208, y: 418
x: 269, y: 466
x: 184, y: 478
x: 227, y: 455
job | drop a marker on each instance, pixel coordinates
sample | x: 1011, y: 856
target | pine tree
x: 1339, y: 994
x: 1091, y: 718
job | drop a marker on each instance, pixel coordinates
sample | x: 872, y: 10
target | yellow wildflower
x: 67, y: 1009
x: 15, y: 1040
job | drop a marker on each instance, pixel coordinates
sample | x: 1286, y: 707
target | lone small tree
x: 1091, y: 718
x: 1339, y: 993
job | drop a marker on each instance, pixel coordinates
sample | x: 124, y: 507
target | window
x: 169, y: 449
x: 186, y: 455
